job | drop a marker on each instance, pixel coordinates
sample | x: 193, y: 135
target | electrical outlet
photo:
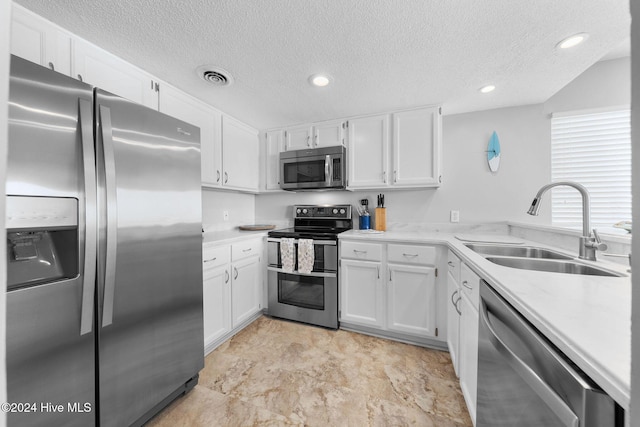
x: 454, y: 216
x: 225, y: 215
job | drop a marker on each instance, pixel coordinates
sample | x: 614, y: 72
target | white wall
x: 5, y: 9
x: 468, y: 185
x: 241, y: 208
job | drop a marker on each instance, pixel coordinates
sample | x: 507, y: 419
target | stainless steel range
x: 304, y: 293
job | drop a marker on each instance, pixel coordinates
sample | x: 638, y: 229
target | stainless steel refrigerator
x: 104, y: 286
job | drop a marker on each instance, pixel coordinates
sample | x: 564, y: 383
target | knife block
x: 381, y: 219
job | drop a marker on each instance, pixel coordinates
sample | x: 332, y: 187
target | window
x: 594, y: 149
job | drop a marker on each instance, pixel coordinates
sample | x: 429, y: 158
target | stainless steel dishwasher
x: 523, y: 380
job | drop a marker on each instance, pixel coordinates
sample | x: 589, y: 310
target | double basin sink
x: 538, y: 259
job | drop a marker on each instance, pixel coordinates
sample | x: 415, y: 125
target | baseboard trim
x: 208, y: 348
x: 395, y: 336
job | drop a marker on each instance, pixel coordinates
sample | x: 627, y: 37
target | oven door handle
x: 315, y: 242
x: 297, y: 273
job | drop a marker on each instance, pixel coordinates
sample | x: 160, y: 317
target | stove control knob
x: 304, y: 211
x: 335, y: 211
x: 298, y: 211
x: 342, y: 211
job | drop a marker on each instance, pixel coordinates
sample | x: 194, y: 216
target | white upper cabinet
x: 416, y: 147
x: 316, y: 135
x: 240, y: 156
x: 368, y: 145
x: 38, y: 40
x: 273, y: 145
x: 184, y: 107
x: 328, y: 134
x: 298, y: 137
x: 106, y: 71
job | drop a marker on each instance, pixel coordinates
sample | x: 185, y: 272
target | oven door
x: 313, y: 172
x: 310, y: 298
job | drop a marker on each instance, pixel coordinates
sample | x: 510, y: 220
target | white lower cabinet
x: 389, y: 287
x: 453, y: 310
x: 411, y: 299
x: 232, y: 288
x: 470, y: 287
x: 361, y: 295
x: 216, y: 303
x: 246, y: 289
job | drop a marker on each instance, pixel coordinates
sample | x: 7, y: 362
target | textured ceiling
x: 382, y: 54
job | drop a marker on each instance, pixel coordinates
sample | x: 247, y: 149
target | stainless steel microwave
x: 313, y: 169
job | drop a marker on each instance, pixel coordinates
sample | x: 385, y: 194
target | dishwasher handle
x: 541, y: 388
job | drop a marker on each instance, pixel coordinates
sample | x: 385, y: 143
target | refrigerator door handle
x: 112, y: 216
x: 88, y: 164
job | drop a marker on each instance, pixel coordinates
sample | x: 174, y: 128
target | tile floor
x: 281, y: 373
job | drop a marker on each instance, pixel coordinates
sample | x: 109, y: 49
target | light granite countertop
x: 587, y: 317
x: 229, y: 236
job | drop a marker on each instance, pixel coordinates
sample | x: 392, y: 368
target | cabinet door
x: 368, y: 147
x: 361, y: 296
x: 106, y: 71
x: 453, y: 321
x: 298, y: 137
x: 240, y: 155
x: 178, y: 104
x: 216, y: 303
x: 469, y: 354
x: 38, y: 40
x: 274, y: 144
x: 328, y: 134
x: 245, y: 289
x: 416, y: 147
x: 411, y: 299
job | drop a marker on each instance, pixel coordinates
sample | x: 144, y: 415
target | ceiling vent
x: 215, y: 75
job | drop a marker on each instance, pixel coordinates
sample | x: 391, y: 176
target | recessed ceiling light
x: 487, y: 88
x: 572, y: 41
x: 320, y: 80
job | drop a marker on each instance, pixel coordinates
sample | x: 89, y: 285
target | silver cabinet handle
x: 226, y: 276
x: 451, y: 264
x: 218, y: 175
x: 247, y: 250
x: 542, y: 389
x: 80, y: 77
x: 467, y: 285
x: 236, y: 273
x: 226, y: 177
x: 85, y: 114
x: 395, y: 176
x: 359, y: 252
x: 308, y: 140
x: 455, y: 301
x: 315, y: 139
x: 211, y: 259
x: 390, y: 275
x: 456, y: 306
x: 410, y: 255
x: 384, y: 177
x: 111, y: 216
x: 453, y: 297
x: 51, y: 66
x: 377, y: 269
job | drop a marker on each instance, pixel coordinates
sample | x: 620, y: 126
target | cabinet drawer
x: 360, y: 250
x: 412, y: 254
x: 453, y: 265
x: 245, y: 249
x: 470, y: 285
x: 215, y: 256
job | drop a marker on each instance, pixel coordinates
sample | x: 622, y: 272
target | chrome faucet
x: 589, y: 242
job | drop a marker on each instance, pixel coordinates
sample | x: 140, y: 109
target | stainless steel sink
x: 516, y: 251
x: 553, y: 266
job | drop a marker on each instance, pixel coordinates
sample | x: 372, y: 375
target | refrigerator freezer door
x: 49, y: 360
x: 149, y: 257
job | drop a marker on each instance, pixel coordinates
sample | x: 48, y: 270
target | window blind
x: 593, y: 149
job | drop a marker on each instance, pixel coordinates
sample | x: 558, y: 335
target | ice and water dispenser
x: 42, y: 240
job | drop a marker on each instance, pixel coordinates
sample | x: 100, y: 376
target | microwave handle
x: 328, y: 169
